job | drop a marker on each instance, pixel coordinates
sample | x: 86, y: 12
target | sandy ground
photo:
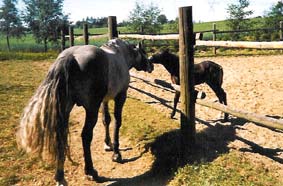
x: 253, y: 84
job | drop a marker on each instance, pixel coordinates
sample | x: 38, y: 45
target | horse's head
x: 160, y: 57
x: 141, y: 60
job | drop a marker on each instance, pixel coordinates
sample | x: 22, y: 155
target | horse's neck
x: 118, y: 53
x: 172, y: 65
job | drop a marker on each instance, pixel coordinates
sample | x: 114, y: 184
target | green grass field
x: 203, y: 166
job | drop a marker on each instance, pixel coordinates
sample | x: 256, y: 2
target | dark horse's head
x: 163, y: 57
x: 142, y: 62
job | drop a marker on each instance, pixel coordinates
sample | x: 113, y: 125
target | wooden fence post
x: 85, y: 34
x: 281, y: 31
x: 71, y: 35
x: 186, y: 53
x: 63, y: 40
x: 112, y: 27
x: 214, y: 36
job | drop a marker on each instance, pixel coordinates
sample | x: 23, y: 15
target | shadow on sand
x: 210, y: 144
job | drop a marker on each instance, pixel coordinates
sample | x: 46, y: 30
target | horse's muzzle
x: 150, y: 67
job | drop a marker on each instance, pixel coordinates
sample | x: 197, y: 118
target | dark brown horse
x: 205, y: 72
x: 89, y: 77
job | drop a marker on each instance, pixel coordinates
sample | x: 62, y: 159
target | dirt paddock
x: 253, y: 84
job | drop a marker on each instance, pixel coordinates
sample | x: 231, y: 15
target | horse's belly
x: 115, y: 86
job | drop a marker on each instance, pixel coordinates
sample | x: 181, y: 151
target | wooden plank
x: 198, y: 36
x: 150, y: 37
x: 256, y: 118
x: 242, y: 44
x: 157, y: 82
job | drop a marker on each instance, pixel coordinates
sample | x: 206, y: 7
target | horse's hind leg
x: 106, y: 119
x: 119, y: 103
x: 222, y: 97
x: 62, y: 138
x: 87, y: 135
x: 176, y: 100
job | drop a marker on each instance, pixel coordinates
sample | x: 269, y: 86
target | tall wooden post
x: 186, y: 53
x: 281, y: 30
x: 63, y: 40
x: 214, y: 36
x: 85, y: 34
x: 71, y: 34
x: 112, y: 27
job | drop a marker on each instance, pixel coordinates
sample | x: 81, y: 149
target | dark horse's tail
x: 44, y: 123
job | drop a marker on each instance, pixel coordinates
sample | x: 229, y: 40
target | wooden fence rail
x: 242, y: 44
x: 256, y: 118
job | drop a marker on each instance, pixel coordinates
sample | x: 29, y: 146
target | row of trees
x: 44, y: 19
x: 238, y: 19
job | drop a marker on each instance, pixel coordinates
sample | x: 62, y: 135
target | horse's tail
x: 43, y: 126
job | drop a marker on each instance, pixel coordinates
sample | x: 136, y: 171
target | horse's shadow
x: 166, y: 149
x: 210, y: 144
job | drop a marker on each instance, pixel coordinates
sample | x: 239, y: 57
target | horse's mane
x: 117, y: 44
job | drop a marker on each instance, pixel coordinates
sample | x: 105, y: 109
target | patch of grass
x: 34, y: 56
x: 18, y: 81
x: 229, y: 169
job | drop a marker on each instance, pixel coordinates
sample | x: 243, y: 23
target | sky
x: 203, y: 10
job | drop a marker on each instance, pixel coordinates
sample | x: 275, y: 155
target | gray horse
x: 87, y: 76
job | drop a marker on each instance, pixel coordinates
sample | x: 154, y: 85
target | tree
x: 238, y: 16
x: 145, y: 18
x: 273, y: 18
x: 162, y: 19
x: 10, y: 22
x: 45, y: 19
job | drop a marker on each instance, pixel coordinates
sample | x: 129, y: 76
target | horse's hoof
x: 117, y: 158
x: 91, y: 175
x: 108, y: 148
x: 62, y: 183
x: 226, y: 120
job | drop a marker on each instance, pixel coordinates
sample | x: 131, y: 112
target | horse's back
x: 209, y: 72
x: 99, y: 72
x: 88, y: 75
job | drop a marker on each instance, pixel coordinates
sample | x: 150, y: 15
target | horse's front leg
x: 175, y: 80
x: 106, y: 119
x: 119, y: 103
x: 87, y: 135
x: 176, y: 100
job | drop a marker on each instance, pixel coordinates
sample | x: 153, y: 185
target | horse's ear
x: 166, y: 50
x: 140, y: 45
